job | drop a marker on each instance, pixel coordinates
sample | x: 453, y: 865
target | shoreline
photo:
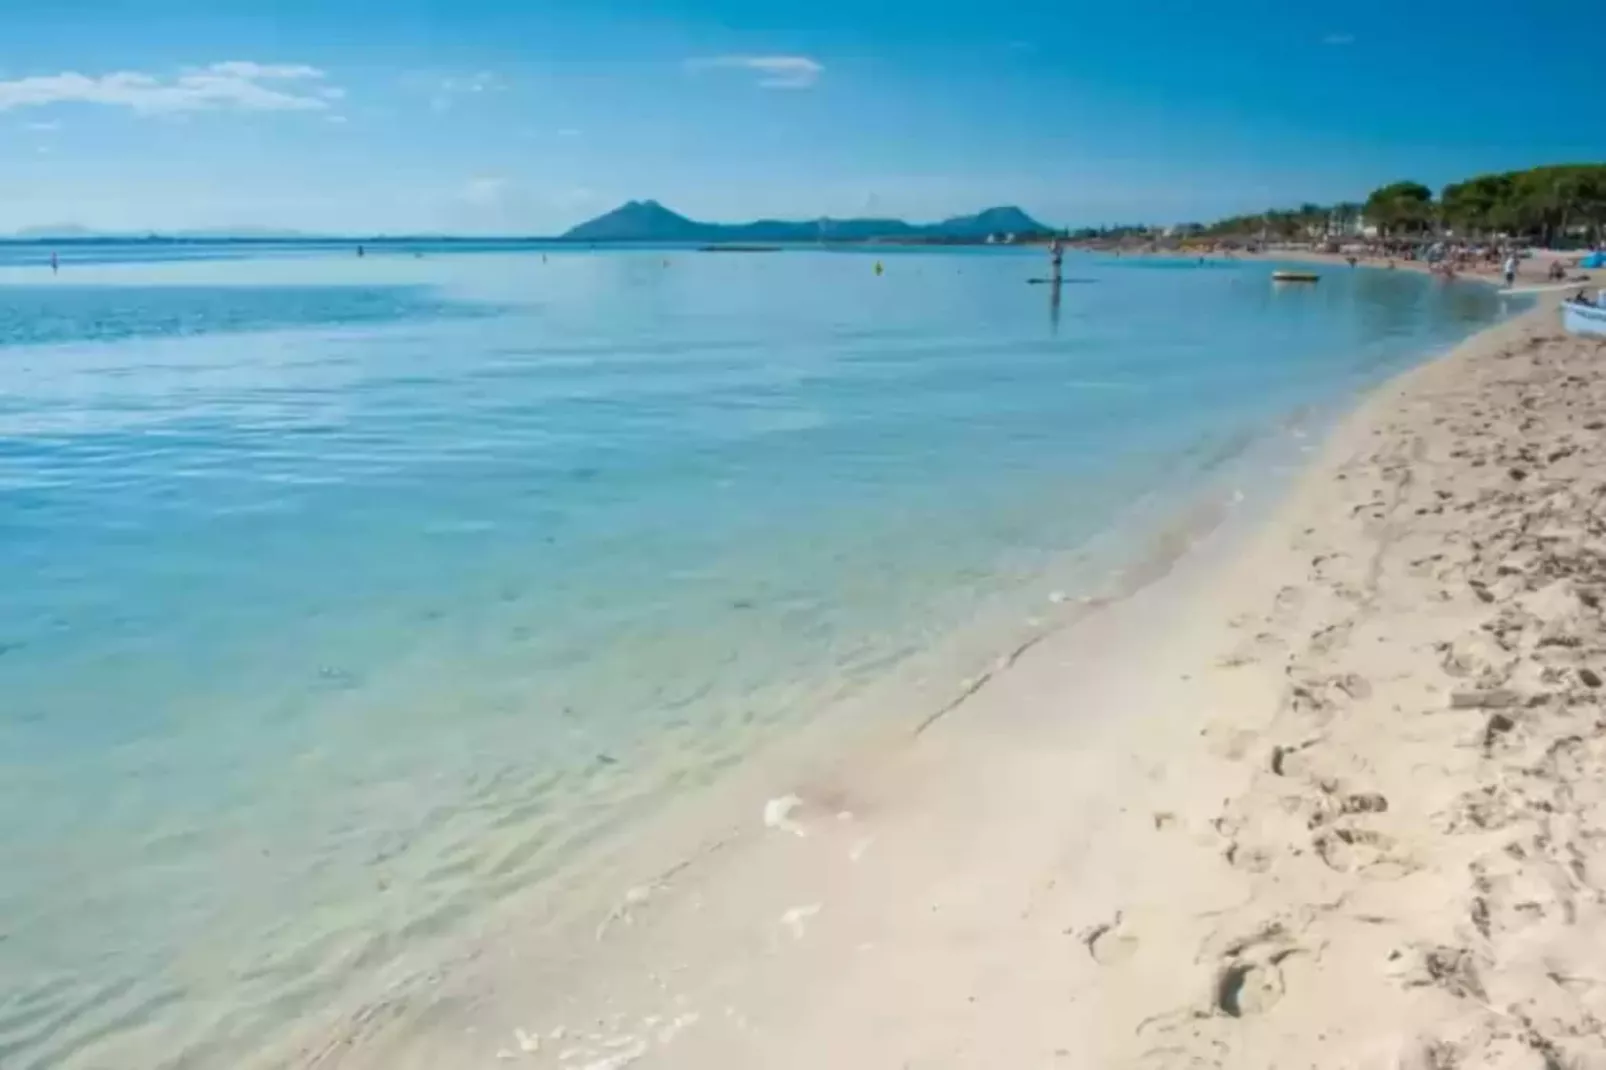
x: 1004, y: 885
x: 1534, y: 268
x: 608, y: 892
x: 1529, y: 280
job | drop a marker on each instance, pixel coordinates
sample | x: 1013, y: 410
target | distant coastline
x: 1551, y: 206
x: 636, y: 222
x: 382, y: 241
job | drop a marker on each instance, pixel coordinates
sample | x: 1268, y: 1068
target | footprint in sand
x: 1326, y: 640
x: 1244, y: 989
x: 1110, y: 942
x: 1432, y: 1055
x: 1249, y: 979
x: 1180, y: 1058
x: 1287, y: 604
x: 1231, y: 742
x: 1346, y: 849
x: 1248, y: 859
x: 1248, y: 982
x: 1286, y: 759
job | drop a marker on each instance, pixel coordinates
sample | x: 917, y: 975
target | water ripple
x: 350, y: 598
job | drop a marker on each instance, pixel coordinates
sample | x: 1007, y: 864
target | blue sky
x: 528, y: 115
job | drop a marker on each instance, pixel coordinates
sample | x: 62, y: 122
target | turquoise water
x: 347, y: 598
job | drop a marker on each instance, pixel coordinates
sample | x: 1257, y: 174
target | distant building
x: 1342, y: 226
x: 1358, y: 227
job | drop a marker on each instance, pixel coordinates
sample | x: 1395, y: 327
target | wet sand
x: 1326, y: 796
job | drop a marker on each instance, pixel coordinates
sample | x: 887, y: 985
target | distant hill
x: 1007, y: 220
x: 649, y: 221
x: 639, y: 221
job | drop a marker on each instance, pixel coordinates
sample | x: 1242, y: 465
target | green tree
x: 1401, y: 208
x: 1564, y: 203
x: 1313, y: 219
x: 1479, y: 205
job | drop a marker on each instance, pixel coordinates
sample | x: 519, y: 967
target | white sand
x: 1343, y: 808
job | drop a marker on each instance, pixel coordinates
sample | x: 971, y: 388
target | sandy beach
x: 1327, y: 795
x: 1532, y: 273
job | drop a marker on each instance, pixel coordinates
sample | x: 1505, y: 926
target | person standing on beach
x: 1511, y: 268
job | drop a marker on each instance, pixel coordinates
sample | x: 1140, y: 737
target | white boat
x: 1583, y: 319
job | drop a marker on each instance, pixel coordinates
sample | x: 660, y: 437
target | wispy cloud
x: 234, y: 85
x: 485, y: 191
x: 240, y: 68
x: 447, y: 91
x: 774, y: 72
x: 1338, y: 40
x: 568, y: 131
x: 43, y: 127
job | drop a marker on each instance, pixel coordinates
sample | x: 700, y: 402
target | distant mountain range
x: 649, y: 221
x: 637, y: 221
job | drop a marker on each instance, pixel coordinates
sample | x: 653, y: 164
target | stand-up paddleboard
x: 1547, y: 289
x: 1294, y: 276
x: 1058, y: 282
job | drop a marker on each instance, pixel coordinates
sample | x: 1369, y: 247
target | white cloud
x: 448, y: 90
x: 775, y: 72
x: 1339, y: 39
x: 484, y: 192
x: 239, y: 68
x: 338, y: 120
x: 43, y: 127
x: 235, y: 85
x: 478, y: 82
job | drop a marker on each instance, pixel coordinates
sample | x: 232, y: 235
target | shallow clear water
x: 347, y: 597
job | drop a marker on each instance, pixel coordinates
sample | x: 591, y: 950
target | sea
x: 349, y: 598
